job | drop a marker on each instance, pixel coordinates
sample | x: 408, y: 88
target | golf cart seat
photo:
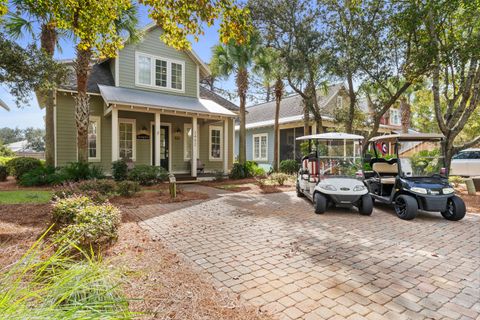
x: 386, y: 171
x: 310, y: 167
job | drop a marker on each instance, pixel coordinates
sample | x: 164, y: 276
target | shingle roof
x: 100, y: 74
x: 290, y: 106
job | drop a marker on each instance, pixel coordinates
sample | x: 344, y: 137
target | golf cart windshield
x: 338, y: 157
x: 420, y: 158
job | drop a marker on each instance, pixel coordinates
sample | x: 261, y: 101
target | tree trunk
x: 242, y: 87
x: 306, y: 116
x: 351, y: 109
x: 82, y: 105
x: 48, y: 40
x: 276, y: 137
x: 405, y: 112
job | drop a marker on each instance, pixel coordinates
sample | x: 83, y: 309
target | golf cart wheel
x: 406, y: 207
x: 320, y: 203
x: 455, y: 209
x: 299, y: 193
x: 365, y: 207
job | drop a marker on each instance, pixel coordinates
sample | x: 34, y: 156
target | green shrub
x: 289, y: 166
x: 238, y: 171
x: 21, y: 165
x: 41, y: 176
x: 3, y: 173
x: 4, y: 160
x: 128, y: 188
x: 5, y: 151
x: 102, y: 186
x: 279, y: 178
x: 65, y: 210
x: 248, y: 170
x: 92, y: 226
x: 119, y: 170
x: 147, y: 175
x: 76, y: 171
x: 456, y: 180
x: 253, y: 170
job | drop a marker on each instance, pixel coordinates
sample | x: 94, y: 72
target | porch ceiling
x: 157, y: 100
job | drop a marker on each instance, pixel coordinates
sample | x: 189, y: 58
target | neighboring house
x: 260, y: 119
x: 21, y: 149
x: 147, y: 107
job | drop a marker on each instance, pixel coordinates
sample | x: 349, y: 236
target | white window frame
x: 187, y: 126
x: 259, y: 136
x: 96, y: 119
x: 134, y: 136
x: 397, y: 111
x: 152, y: 74
x: 210, y: 129
x: 339, y: 102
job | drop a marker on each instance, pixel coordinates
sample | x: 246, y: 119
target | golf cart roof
x: 409, y: 137
x: 332, y: 136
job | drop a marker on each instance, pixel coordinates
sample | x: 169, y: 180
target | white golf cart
x: 331, y: 173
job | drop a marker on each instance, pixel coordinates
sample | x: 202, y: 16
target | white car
x: 466, y: 163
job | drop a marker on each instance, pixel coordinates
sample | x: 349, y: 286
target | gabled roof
x: 290, y: 107
x: 205, y: 70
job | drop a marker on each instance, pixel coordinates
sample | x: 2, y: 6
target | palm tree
x: 126, y: 24
x: 17, y: 26
x: 270, y: 65
x: 235, y: 58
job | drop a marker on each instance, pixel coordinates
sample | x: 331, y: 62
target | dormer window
x: 159, y: 72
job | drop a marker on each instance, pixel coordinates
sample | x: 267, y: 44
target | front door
x: 164, y: 143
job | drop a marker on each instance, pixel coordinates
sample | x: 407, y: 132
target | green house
x: 147, y: 106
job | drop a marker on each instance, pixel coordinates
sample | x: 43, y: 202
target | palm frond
x: 17, y: 26
x: 128, y: 23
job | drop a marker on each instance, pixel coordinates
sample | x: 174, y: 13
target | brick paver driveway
x: 276, y: 253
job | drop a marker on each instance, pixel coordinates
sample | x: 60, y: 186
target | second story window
x: 395, y: 117
x: 158, y: 72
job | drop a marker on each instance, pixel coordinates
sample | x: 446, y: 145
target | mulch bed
x: 11, y: 185
x: 157, y: 196
x: 472, y: 202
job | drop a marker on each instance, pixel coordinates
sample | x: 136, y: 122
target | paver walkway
x: 276, y: 253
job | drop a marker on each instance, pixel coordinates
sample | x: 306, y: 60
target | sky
x: 30, y: 114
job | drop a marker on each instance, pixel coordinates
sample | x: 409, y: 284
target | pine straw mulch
x: 249, y: 185
x: 163, y: 286
x: 472, y: 202
x: 11, y: 185
x: 156, y: 196
x: 20, y: 227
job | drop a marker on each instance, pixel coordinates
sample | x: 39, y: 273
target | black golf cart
x: 407, y: 170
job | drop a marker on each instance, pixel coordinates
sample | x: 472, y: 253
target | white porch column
x: 115, y: 143
x: 157, y: 139
x: 225, y: 146
x: 194, y: 147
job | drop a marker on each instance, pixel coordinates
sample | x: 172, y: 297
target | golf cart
x: 331, y: 174
x: 406, y: 170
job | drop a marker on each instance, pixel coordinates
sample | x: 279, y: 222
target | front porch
x: 167, y: 139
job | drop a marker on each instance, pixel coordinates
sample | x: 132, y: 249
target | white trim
x: 399, y: 115
x: 193, y: 166
x: 133, y: 122
x: 210, y: 129
x: 259, y: 136
x: 152, y: 84
x: 115, y: 135
x: 98, y: 120
x: 117, y: 69
x: 185, y: 138
x: 225, y: 150
x: 268, y: 123
x: 75, y: 91
x: 169, y: 125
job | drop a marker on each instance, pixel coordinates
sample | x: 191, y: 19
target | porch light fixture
x: 144, y: 131
x: 178, y: 132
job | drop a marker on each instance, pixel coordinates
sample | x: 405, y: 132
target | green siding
x: 151, y: 44
x: 66, y: 136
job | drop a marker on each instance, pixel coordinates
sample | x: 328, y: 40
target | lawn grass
x: 25, y: 196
